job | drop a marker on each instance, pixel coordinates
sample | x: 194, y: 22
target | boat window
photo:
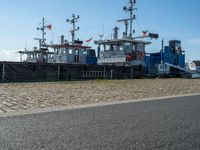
x: 70, y: 51
x: 115, y: 47
x: 76, y: 52
x: 134, y: 47
x: 62, y: 51
x: 84, y: 52
x: 106, y: 47
x: 121, y: 48
x: 126, y: 43
x: 111, y: 47
x: 140, y: 47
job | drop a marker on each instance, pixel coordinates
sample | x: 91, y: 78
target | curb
x: 74, y: 107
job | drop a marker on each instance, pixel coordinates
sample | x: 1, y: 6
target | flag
x: 89, y: 40
x: 145, y: 33
x: 49, y: 27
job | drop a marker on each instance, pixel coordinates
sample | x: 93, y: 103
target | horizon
x: 168, y: 19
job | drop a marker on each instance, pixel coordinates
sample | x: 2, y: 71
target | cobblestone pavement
x: 31, y: 96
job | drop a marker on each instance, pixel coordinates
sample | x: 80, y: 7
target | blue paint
x: 172, y: 54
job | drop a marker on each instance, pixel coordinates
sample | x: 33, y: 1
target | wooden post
x: 3, y: 71
x: 58, y: 75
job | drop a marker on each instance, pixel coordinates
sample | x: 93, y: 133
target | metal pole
x: 126, y: 25
x: 162, y: 48
x: 40, y: 43
x: 73, y: 32
x: 42, y: 29
x: 43, y: 32
x: 131, y: 16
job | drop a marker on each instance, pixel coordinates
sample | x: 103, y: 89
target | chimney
x: 116, y: 29
x: 62, y: 39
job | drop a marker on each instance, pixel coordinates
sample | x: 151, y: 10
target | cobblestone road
x: 31, y: 96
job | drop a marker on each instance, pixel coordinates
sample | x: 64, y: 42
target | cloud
x: 8, y: 55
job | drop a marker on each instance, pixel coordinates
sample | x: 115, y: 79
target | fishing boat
x: 70, y: 52
x: 128, y: 50
x: 40, y: 54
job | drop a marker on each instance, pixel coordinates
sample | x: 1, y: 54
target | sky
x: 172, y: 19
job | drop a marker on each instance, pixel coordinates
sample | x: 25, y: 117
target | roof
x: 119, y: 41
x: 69, y: 46
x: 35, y: 52
x: 197, y: 63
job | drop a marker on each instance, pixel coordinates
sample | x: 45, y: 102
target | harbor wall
x: 25, y: 72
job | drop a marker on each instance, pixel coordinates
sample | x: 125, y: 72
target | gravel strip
x: 30, y: 96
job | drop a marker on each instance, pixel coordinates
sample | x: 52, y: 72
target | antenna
x: 162, y: 45
x: 73, y: 22
x: 101, y: 36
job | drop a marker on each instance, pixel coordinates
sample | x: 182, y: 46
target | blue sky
x: 172, y: 19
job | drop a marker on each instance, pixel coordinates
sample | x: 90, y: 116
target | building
x: 194, y: 66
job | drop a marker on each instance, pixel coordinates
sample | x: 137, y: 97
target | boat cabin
x: 74, y: 53
x: 121, y: 51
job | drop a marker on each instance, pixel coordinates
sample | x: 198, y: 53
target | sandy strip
x: 30, y: 96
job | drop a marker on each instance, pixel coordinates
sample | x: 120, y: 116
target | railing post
x: 104, y: 72
x: 3, y: 71
x: 58, y: 75
x: 111, y: 74
x: 131, y: 72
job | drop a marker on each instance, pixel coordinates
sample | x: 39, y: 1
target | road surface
x: 169, y: 124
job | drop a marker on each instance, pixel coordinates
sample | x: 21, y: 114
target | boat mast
x: 43, y: 32
x: 126, y: 21
x: 132, y: 16
x: 42, y: 29
x: 73, y: 22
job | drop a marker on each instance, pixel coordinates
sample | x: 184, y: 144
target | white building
x: 194, y: 66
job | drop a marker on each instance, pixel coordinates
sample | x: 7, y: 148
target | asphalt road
x: 170, y: 124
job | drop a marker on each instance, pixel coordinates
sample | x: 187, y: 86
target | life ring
x: 141, y: 54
